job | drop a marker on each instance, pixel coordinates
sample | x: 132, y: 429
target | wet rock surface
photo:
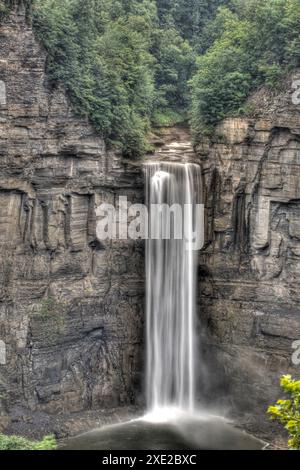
x: 250, y: 268
x: 71, y: 307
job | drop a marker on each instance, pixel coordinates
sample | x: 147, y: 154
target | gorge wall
x: 250, y: 268
x: 71, y: 308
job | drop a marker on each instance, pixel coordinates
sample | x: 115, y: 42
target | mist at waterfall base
x: 171, y: 280
x: 173, y: 420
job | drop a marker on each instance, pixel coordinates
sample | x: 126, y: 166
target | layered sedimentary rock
x: 250, y: 268
x: 70, y: 305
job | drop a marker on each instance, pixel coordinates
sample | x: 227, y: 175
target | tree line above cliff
x: 132, y: 64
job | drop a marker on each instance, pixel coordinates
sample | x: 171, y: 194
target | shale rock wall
x: 71, y: 306
x: 71, y: 319
x: 250, y: 268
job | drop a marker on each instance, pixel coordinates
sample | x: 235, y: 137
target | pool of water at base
x: 208, y: 433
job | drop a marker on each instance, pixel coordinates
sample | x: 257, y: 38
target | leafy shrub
x: 21, y: 443
x: 287, y: 412
x: 168, y: 117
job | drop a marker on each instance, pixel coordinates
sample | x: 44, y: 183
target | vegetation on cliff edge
x: 254, y: 43
x: 125, y: 63
x: 132, y: 64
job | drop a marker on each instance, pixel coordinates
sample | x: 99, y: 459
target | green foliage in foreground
x: 21, y: 443
x: 287, y: 412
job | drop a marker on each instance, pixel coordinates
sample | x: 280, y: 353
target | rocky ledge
x: 71, y: 307
x: 249, y: 271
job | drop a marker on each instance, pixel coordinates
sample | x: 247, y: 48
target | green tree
x: 188, y: 17
x: 253, y: 43
x: 287, y: 412
x: 173, y: 68
x: 224, y: 77
x: 100, y: 52
x: 127, y: 64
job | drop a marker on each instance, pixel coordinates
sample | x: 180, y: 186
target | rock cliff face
x: 71, y: 308
x: 250, y: 268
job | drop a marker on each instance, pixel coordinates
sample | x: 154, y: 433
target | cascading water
x: 172, y: 423
x: 171, y: 289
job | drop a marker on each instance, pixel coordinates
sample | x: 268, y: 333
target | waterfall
x: 171, y: 271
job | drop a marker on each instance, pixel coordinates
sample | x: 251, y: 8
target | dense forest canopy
x: 132, y: 64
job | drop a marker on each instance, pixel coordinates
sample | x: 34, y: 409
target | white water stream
x: 171, y: 291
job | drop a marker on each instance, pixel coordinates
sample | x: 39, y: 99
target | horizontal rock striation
x: 250, y: 268
x: 172, y: 144
x: 70, y: 305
